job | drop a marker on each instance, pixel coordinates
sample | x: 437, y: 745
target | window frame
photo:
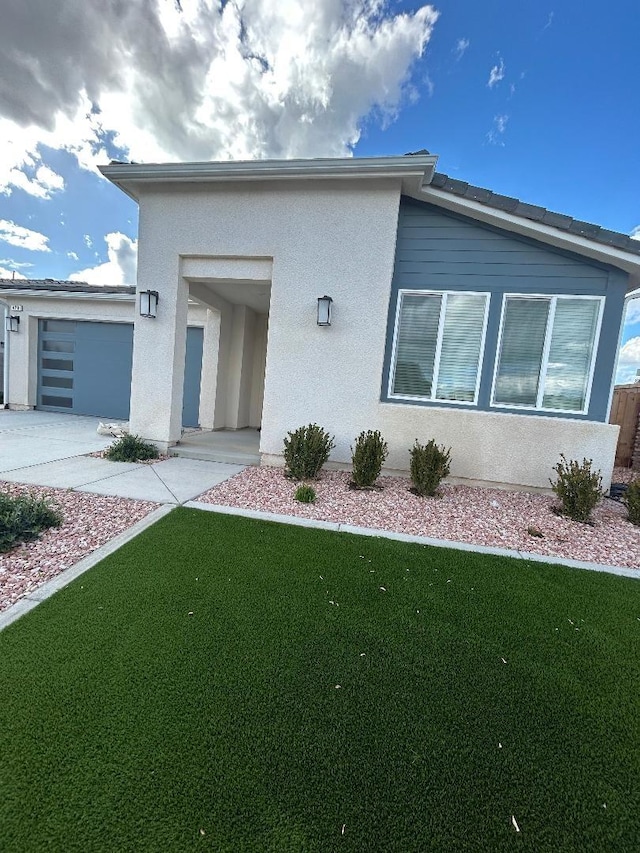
x: 542, y: 375
x: 436, y: 359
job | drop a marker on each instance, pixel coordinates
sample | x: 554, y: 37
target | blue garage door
x: 85, y: 369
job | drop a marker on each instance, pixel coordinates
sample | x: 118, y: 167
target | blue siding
x: 445, y: 251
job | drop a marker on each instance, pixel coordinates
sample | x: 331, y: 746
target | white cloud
x: 197, y: 79
x: 633, y: 312
x: 635, y: 233
x: 121, y: 266
x: 630, y: 352
x: 73, y: 256
x: 497, y: 73
x: 628, y: 362
x: 460, y: 48
x: 24, y: 238
x: 88, y: 241
x: 5, y: 273
x: 499, y: 126
x: 549, y: 21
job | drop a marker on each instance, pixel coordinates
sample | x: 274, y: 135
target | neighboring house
x: 73, y: 348
x: 457, y: 314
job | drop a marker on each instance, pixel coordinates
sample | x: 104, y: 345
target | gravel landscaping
x: 89, y: 522
x: 493, y: 517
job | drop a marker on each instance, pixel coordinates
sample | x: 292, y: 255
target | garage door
x: 85, y: 369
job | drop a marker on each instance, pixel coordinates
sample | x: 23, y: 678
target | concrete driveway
x: 48, y: 449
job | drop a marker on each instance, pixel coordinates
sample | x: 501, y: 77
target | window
x: 438, y: 345
x: 546, y: 353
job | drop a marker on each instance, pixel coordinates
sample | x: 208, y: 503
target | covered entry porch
x: 236, y: 293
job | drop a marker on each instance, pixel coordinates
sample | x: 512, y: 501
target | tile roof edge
x: 534, y: 213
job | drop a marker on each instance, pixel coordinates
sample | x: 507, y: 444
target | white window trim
x: 553, y: 298
x: 436, y: 359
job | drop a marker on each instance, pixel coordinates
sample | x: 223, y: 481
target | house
x: 457, y: 314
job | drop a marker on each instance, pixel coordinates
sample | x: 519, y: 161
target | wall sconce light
x: 149, y: 303
x: 12, y: 323
x: 324, y: 310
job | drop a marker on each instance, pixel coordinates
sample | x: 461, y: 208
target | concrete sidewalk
x: 47, y: 449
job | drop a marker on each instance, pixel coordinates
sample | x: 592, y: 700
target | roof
x: 50, y: 284
x: 533, y: 212
x: 414, y: 172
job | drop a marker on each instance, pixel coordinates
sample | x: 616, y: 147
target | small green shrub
x: 131, y: 448
x: 578, y: 487
x: 305, y: 452
x: 429, y: 466
x: 632, y: 502
x: 367, y: 458
x: 305, y: 494
x: 23, y: 518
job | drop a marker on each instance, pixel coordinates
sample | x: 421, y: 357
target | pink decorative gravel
x: 89, y: 522
x: 493, y: 517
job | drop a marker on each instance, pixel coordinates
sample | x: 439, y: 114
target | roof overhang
x: 35, y: 293
x: 608, y: 255
x: 414, y: 171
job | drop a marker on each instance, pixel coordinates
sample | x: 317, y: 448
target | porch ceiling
x: 254, y: 294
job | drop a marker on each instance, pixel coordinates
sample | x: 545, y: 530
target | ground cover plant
x: 234, y: 685
x: 24, y: 517
x: 131, y: 448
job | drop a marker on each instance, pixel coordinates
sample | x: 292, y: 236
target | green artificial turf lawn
x: 228, y: 684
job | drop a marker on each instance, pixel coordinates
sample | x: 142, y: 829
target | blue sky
x: 536, y: 100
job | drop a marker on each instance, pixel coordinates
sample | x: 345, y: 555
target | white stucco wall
x: 336, y: 239
x: 486, y: 447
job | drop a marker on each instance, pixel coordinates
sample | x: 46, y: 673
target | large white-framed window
x: 438, y: 345
x: 546, y: 352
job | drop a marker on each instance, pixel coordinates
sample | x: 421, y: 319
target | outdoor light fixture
x: 324, y: 310
x: 148, y: 303
x: 13, y: 323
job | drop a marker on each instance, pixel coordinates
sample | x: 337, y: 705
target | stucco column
x: 209, y: 375
x: 240, y: 367
x: 159, y: 346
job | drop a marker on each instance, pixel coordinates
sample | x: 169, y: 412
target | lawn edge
x: 37, y: 596
x: 279, y: 518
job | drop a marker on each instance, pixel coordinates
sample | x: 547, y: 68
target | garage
x: 84, y: 368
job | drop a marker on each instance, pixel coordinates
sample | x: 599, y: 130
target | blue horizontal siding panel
x: 440, y: 251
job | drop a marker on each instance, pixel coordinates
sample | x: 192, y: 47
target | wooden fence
x: 625, y: 411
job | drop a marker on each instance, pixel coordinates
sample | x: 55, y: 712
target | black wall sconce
x: 12, y: 323
x: 149, y: 303
x: 324, y: 310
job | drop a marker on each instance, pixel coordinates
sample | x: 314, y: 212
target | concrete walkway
x: 47, y: 449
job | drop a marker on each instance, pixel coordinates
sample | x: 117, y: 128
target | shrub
x: 368, y: 458
x: 131, y: 448
x: 578, y: 487
x: 429, y: 466
x: 305, y: 452
x: 632, y: 502
x: 305, y: 494
x: 23, y: 518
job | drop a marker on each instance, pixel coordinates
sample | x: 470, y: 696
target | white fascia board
x: 67, y: 294
x: 415, y: 171
x: 537, y: 231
